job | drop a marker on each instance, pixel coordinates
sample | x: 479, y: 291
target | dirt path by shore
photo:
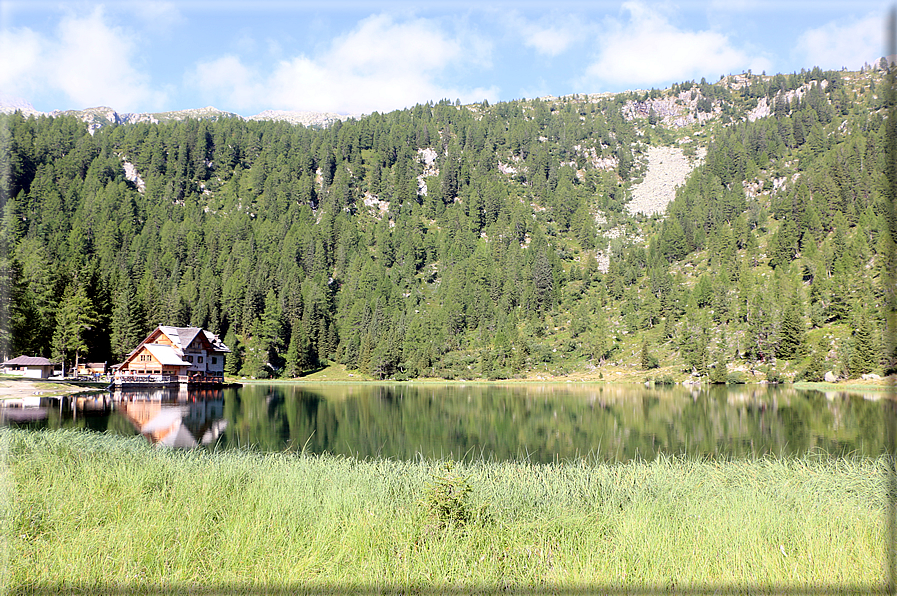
x: 20, y: 388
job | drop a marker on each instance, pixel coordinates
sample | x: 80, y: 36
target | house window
x: 214, y: 360
x: 189, y: 358
x: 200, y: 359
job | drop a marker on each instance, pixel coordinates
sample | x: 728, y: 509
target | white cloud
x: 227, y: 76
x: 380, y: 65
x: 87, y: 60
x: 22, y: 54
x: 157, y: 16
x: 648, y: 49
x: 836, y: 44
x: 549, y: 40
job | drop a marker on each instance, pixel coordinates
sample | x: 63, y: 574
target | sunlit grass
x: 94, y: 511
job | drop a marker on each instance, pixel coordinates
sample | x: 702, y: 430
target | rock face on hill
x: 103, y: 115
x: 8, y: 105
x: 321, y: 119
x: 668, y: 168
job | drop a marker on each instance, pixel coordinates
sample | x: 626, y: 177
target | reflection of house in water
x: 175, y: 418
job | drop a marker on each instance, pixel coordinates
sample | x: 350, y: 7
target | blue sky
x: 358, y: 57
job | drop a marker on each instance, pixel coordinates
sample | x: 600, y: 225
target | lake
x: 541, y: 423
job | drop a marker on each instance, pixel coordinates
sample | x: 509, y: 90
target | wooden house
x: 172, y: 355
x: 91, y: 369
x: 29, y: 367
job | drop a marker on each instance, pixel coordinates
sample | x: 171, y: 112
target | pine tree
x: 792, y: 331
x: 299, y: 355
x: 74, y: 318
x: 815, y: 370
x: 232, y: 361
x: 648, y: 360
x: 128, y: 324
x: 864, y: 352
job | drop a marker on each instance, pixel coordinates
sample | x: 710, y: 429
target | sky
x: 357, y: 57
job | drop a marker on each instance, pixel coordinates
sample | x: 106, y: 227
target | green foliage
x: 447, y: 499
x: 718, y: 374
x: 865, y: 353
x: 773, y: 376
x: 361, y: 517
x: 816, y: 367
x: 236, y: 231
x: 648, y: 360
x: 736, y: 378
x: 74, y: 319
x: 792, y: 332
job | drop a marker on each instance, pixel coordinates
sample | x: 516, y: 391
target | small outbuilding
x: 92, y: 369
x: 30, y: 367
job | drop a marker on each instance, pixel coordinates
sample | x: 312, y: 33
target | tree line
x: 454, y: 241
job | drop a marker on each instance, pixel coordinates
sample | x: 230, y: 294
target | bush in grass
x: 447, y: 498
x: 736, y: 378
x: 648, y: 360
x: 718, y: 374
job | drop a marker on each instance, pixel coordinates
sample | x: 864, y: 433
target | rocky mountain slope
x: 97, y: 117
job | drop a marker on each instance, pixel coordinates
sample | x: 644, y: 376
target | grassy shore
x: 338, y: 373
x: 89, y: 513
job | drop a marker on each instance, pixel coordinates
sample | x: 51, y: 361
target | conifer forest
x: 467, y: 241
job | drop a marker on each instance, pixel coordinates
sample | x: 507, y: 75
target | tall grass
x: 91, y: 512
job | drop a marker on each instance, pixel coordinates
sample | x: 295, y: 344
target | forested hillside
x: 466, y: 241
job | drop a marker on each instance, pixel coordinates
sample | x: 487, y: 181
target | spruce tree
x: 299, y: 357
x: 128, y: 324
x: 792, y: 331
x: 648, y: 360
x: 815, y: 370
x: 864, y: 352
x: 232, y: 361
x: 74, y: 318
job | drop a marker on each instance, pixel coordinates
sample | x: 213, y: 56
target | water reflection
x: 540, y: 422
x: 174, y: 417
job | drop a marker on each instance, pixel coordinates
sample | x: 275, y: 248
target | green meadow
x: 91, y: 513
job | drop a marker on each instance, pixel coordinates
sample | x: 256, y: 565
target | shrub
x: 447, y: 501
x: 718, y: 374
x: 736, y: 378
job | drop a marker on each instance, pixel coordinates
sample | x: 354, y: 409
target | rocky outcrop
x: 427, y: 158
x: 319, y: 119
x: 9, y: 105
x: 103, y: 115
x: 668, y: 168
x: 674, y: 112
x: 132, y: 175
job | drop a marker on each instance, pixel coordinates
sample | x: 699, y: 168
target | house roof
x: 182, y: 337
x: 216, y: 342
x: 165, y: 355
x: 28, y: 361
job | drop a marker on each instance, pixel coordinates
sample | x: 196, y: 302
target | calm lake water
x: 543, y: 423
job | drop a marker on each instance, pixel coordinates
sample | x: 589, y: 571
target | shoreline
x: 338, y: 375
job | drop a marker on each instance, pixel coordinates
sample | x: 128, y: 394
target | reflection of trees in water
x: 549, y: 422
x: 542, y: 422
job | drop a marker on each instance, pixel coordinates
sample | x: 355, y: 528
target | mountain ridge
x: 99, y: 116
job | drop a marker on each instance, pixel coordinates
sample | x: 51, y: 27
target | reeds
x: 96, y: 512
